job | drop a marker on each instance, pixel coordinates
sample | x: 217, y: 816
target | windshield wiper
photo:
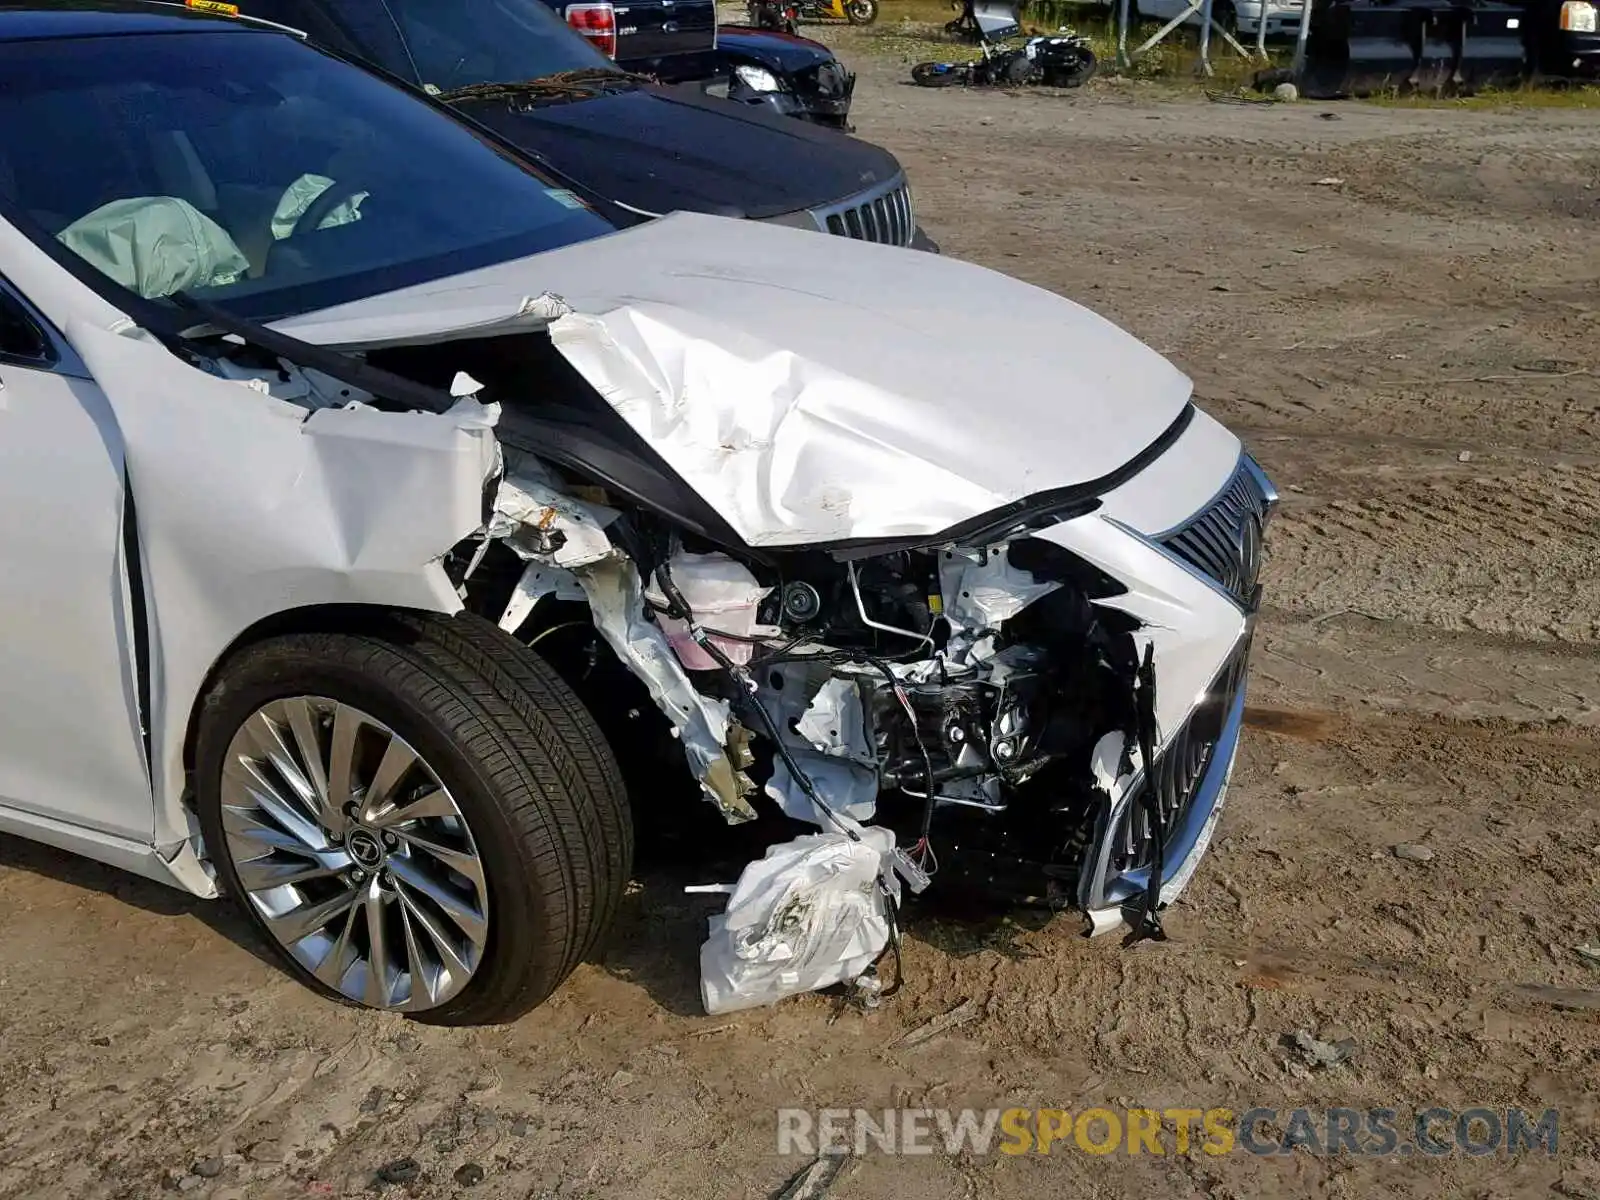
x: 582, y: 81
x: 396, y: 390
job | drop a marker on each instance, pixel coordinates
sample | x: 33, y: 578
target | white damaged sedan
x: 379, y: 518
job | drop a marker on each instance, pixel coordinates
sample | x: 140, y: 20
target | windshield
x: 456, y: 44
x: 255, y: 172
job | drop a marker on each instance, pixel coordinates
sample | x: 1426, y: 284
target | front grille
x: 1179, y: 769
x: 1224, y: 541
x: 881, y: 216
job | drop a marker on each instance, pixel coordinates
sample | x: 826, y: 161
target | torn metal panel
x: 834, y: 723
x: 248, y: 507
x: 565, y: 543
x: 823, y: 726
x: 701, y: 723
x: 812, y: 913
x: 535, y: 583
x: 982, y: 590
x: 540, y: 521
x: 297, y: 385
x: 844, y: 787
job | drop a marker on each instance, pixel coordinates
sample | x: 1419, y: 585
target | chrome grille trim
x: 882, y: 214
x: 1223, y: 541
x: 1190, y: 771
x: 1180, y: 766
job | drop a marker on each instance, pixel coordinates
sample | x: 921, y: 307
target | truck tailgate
x: 655, y: 28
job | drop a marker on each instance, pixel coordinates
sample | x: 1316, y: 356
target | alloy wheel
x: 355, y: 855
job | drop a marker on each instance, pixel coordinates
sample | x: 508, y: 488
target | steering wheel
x: 335, y: 195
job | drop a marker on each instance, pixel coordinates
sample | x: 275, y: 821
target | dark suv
x: 680, y: 42
x: 516, y: 67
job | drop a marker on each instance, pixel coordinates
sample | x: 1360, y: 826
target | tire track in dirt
x: 1501, y: 552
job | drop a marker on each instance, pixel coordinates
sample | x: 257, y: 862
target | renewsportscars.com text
x: 1371, y: 1132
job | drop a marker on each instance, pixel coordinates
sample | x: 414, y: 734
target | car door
x: 71, y: 739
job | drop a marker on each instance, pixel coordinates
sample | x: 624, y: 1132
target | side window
x: 21, y: 339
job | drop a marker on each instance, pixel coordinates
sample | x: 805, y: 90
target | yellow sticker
x: 213, y: 6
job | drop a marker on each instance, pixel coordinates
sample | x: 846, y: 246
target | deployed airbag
x: 156, y: 245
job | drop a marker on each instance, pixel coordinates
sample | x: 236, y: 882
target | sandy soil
x: 1409, y: 350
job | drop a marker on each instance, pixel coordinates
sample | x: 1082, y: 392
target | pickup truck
x: 516, y: 68
x: 680, y: 43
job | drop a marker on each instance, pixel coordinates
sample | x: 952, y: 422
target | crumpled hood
x: 812, y: 388
x: 666, y: 151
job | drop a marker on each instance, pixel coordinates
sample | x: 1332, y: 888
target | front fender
x: 248, y: 506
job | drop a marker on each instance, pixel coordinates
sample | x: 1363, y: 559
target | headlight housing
x: 757, y: 79
x: 1578, y: 16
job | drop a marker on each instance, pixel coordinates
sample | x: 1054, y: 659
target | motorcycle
x: 1062, y: 59
x: 786, y: 15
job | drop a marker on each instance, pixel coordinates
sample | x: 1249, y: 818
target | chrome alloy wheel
x: 354, y: 854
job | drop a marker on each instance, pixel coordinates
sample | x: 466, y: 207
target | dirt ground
x: 1397, y: 310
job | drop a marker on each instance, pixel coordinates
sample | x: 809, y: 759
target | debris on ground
x: 1317, y: 1054
x: 814, y: 1179
x: 400, y: 1170
x: 1589, y: 953
x: 1411, y: 852
x: 808, y: 915
x: 1330, y: 181
x: 469, y: 1174
x: 1464, y: 456
x: 932, y: 1028
x: 1286, y: 91
x: 374, y: 1101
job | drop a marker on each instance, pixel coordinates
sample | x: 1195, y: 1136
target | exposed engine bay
x: 980, y: 702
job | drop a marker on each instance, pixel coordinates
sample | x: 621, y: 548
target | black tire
x: 938, y: 75
x: 1016, y: 71
x: 522, y: 757
x: 1083, y: 70
x: 861, y: 12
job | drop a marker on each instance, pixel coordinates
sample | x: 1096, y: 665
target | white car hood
x: 813, y: 388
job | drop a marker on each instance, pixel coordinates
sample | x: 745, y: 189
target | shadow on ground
x: 657, y: 938
x: 221, y: 917
x: 656, y: 941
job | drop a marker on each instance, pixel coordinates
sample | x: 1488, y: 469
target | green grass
x: 1525, y: 96
x: 912, y: 30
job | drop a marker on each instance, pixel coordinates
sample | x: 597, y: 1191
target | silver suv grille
x: 1224, y: 540
x: 881, y: 215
